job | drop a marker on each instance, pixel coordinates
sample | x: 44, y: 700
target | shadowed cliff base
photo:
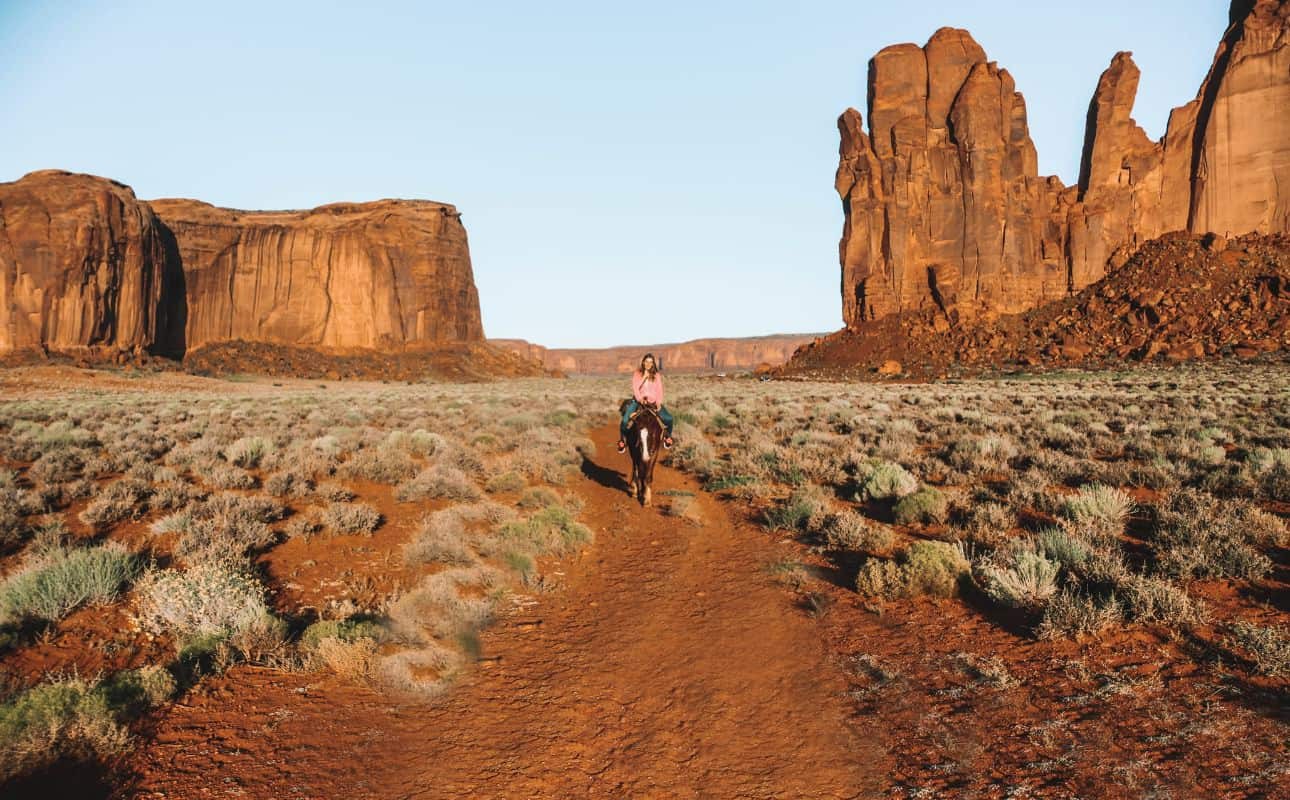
x: 1179, y: 298
x: 453, y: 361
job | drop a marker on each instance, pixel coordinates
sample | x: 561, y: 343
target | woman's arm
x: 637, y: 382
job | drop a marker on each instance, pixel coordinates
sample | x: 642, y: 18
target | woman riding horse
x: 647, y: 390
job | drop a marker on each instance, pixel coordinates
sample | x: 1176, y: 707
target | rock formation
x: 82, y: 264
x: 696, y: 356
x: 945, y: 212
x: 383, y: 275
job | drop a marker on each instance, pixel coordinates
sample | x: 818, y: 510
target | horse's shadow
x: 609, y: 478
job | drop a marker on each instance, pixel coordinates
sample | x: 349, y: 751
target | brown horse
x: 644, y: 442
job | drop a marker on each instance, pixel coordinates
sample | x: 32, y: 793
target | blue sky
x: 626, y: 172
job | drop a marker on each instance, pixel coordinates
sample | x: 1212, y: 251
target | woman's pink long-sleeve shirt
x: 647, y: 391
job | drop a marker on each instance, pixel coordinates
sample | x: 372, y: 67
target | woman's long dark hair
x: 652, y: 370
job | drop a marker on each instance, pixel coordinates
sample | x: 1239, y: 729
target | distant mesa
x: 699, y: 356
x: 947, y: 216
x: 84, y: 264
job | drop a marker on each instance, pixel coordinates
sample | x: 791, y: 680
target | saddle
x: 642, y: 409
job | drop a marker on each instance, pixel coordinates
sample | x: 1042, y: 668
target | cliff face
x: 82, y: 264
x: 381, y: 275
x: 945, y: 212
x: 697, y: 356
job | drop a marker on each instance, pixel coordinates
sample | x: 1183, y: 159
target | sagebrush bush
x: 61, y: 580
x: 439, y: 481
x: 851, y: 532
x: 1028, y: 581
x: 1199, y: 536
x: 350, y: 518
x: 926, y: 505
x: 63, y: 719
x: 804, y: 510
x: 205, y: 600
x: 924, y: 568
x: 887, y: 480
x: 1072, y: 613
x: 1268, y: 647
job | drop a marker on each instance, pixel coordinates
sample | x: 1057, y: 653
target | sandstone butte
x: 946, y: 214
x: 695, y: 356
x: 85, y: 264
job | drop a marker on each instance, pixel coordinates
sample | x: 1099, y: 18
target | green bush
x: 925, y: 568
x: 62, y: 580
x: 927, y: 505
x: 1029, y: 582
x: 887, y: 480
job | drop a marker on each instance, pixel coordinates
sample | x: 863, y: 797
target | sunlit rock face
x: 383, y: 275
x: 945, y: 211
x: 83, y: 263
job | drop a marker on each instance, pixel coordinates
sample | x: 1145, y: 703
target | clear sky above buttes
x: 627, y: 173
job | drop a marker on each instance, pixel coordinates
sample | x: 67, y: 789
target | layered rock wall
x: 83, y: 263
x: 697, y: 356
x: 944, y: 210
x: 383, y: 275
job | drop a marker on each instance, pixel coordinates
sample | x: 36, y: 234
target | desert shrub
x: 302, y: 526
x: 1151, y: 599
x: 224, y: 526
x: 425, y: 672
x: 989, y: 524
x: 538, y: 497
x: 56, y: 466
x: 439, y: 606
x: 350, y: 518
x: 507, y: 482
x: 1197, y: 536
x: 1060, y: 545
x: 442, y: 538
x: 219, y: 475
x: 122, y: 499
x: 693, y: 453
x: 851, y: 532
x: 206, y: 600
x: 977, y: 453
x: 1072, y: 613
x: 1027, y: 582
x: 61, y: 580
x: 887, y: 480
x: 551, y: 530
x: 173, y: 494
x: 288, y: 484
x: 334, y: 492
x: 804, y: 510
x: 1268, y: 647
x: 346, y: 630
x: 1099, y: 505
x: 925, y: 568
x: 927, y: 505
x: 63, y: 719
x: 12, y: 524
x: 380, y: 464
x: 437, y: 481
x: 248, y: 451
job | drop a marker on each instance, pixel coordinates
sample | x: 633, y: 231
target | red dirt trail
x: 669, y: 664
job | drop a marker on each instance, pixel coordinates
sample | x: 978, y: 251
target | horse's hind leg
x: 645, y: 495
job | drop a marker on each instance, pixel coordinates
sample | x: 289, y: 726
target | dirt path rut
x: 669, y: 665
